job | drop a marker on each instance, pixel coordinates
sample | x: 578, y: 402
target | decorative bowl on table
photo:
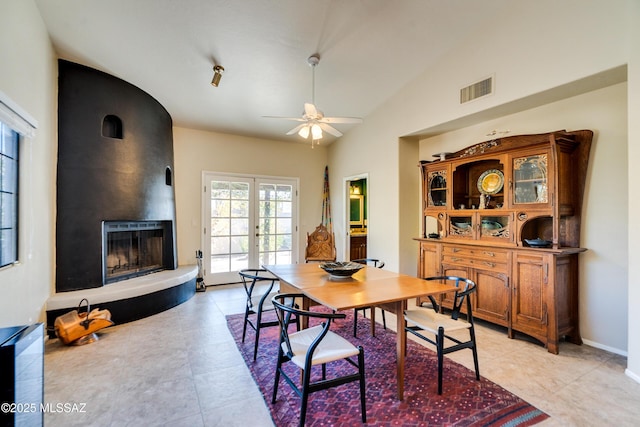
x: 341, y: 269
x: 538, y: 243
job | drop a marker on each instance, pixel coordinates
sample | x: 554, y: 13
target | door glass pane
x: 461, y: 226
x: 229, y: 226
x: 275, y: 223
x: 530, y: 179
x: 494, y: 226
x: 437, y: 195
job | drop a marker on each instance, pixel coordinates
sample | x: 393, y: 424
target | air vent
x: 476, y: 90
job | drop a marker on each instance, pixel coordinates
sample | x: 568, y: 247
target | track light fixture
x: 217, y: 75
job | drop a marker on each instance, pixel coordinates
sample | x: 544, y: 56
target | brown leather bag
x: 74, y: 325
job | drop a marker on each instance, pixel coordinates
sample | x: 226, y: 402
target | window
x: 8, y: 195
x: 15, y: 124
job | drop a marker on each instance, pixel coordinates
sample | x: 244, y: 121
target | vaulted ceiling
x: 369, y: 49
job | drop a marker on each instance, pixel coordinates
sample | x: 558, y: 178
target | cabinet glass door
x: 437, y: 188
x: 530, y: 179
x: 461, y: 226
x: 495, y: 226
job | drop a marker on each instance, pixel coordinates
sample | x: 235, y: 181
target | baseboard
x: 632, y: 375
x: 605, y: 347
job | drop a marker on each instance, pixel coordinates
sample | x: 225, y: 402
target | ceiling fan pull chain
x: 313, y: 84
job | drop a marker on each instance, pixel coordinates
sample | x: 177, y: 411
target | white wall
x: 633, y: 367
x: 370, y: 152
x: 603, y: 268
x: 28, y: 73
x: 197, y: 151
x: 525, y: 60
x: 534, y: 48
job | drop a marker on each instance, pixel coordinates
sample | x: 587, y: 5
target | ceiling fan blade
x: 297, y: 119
x: 296, y: 129
x: 331, y: 130
x: 310, y: 110
x: 341, y: 120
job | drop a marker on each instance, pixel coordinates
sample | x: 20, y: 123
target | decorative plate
x: 341, y: 269
x: 462, y: 225
x: 491, y: 225
x: 491, y: 181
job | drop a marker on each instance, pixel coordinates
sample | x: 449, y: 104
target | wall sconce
x: 217, y: 75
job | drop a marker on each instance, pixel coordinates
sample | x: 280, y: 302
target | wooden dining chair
x: 374, y: 263
x: 320, y: 245
x: 432, y: 320
x: 258, y: 286
x: 316, y: 345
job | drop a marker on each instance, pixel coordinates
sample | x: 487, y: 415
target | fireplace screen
x: 133, y: 249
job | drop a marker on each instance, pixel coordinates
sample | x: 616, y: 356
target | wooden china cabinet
x: 506, y: 214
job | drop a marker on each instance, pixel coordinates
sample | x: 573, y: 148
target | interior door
x: 356, y: 223
x: 248, y: 222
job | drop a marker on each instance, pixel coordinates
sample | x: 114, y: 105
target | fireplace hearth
x: 135, y: 248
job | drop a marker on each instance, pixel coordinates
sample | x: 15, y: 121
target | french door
x: 248, y: 222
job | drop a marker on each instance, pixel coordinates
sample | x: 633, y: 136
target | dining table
x: 368, y: 287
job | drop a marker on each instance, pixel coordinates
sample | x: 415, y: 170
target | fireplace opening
x: 134, y: 248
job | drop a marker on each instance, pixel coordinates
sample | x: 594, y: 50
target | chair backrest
x: 468, y: 287
x: 320, y: 245
x: 287, y: 309
x: 252, y: 276
x: 370, y: 261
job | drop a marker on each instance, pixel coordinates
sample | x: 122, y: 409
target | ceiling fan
x: 313, y: 120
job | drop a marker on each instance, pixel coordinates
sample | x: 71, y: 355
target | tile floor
x: 182, y: 368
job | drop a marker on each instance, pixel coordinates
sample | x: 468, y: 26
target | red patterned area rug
x: 464, y: 401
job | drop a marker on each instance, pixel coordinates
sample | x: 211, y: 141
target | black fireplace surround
x: 115, y: 200
x: 115, y: 167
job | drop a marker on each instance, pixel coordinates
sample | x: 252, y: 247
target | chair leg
x: 363, y: 404
x: 244, y: 327
x: 277, y: 380
x: 384, y: 321
x: 255, y: 345
x: 355, y: 323
x: 440, y: 351
x: 305, y: 396
x: 474, y: 350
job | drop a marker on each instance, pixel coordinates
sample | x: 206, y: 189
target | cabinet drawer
x: 457, y: 260
x: 488, y: 265
x: 489, y: 254
x: 479, y: 264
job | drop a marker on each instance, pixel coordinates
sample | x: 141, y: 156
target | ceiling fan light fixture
x: 314, y: 122
x: 217, y: 75
x: 316, y: 131
x: 304, y: 132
